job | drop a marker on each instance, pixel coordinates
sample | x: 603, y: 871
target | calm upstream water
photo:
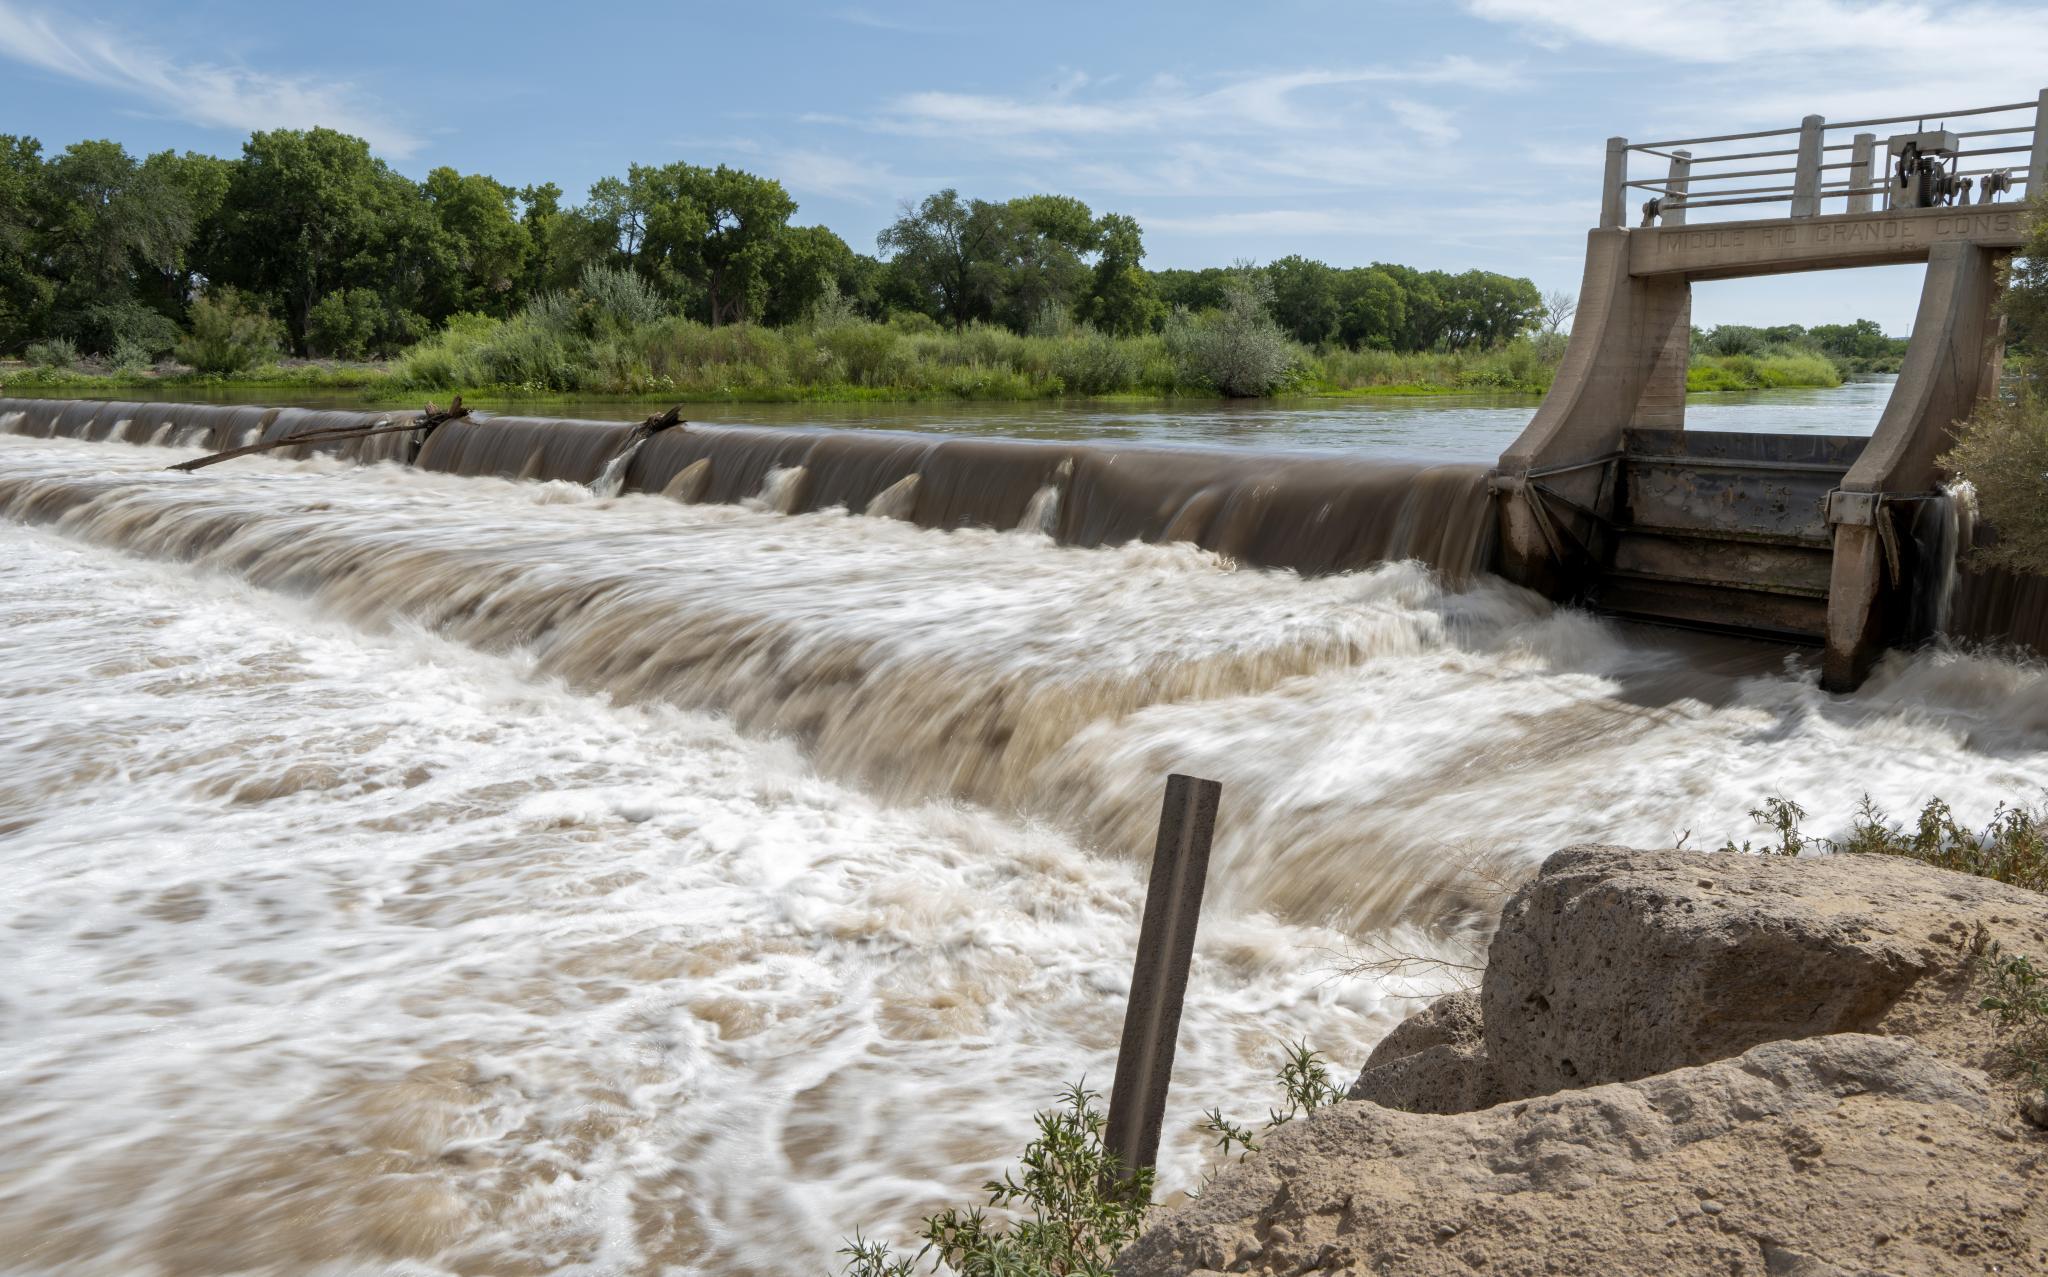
x: 1422, y: 427
x: 418, y: 873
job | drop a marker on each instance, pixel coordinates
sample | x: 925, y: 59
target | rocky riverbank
x: 1677, y: 1063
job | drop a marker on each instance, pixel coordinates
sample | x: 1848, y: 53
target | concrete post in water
x: 1861, y: 156
x: 1614, y: 194
x: 1940, y: 383
x: 1159, y: 979
x: 1673, y: 206
x: 1806, y: 177
x: 2037, y: 166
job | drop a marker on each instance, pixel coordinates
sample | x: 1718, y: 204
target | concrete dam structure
x: 1607, y: 499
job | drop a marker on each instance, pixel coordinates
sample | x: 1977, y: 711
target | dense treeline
x: 1856, y: 347
x: 309, y: 241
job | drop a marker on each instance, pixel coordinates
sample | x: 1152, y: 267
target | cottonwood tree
x: 1375, y: 311
x: 485, y: 244
x: 1558, y: 308
x: 714, y: 230
x: 26, y: 290
x: 311, y: 211
x: 1045, y: 238
x: 1120, y: 297
x: 949, y: 252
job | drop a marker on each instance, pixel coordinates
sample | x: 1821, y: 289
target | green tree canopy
x: 1304, y: 299
x: 948, y: 252
x: 1121, y: 299
x: 26, y: 289
x: 485, y: 243
x: 1374, y: 312
x: 712, y: 232
x: 308, y: 212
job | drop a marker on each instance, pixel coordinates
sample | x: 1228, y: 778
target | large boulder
x: 1843, y: 1154
x: 1433, y: 1062
x: 1612, y: 964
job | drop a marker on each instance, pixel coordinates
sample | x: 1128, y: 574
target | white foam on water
x: 613, y: 476
x: 781, y: 489
x: 406, y: 869
x: 897, y: 501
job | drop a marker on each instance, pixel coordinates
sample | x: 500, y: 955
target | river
x: 1417, y: 427
x: 420, y: 873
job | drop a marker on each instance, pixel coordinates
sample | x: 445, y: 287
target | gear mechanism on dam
x: 1607, y: 499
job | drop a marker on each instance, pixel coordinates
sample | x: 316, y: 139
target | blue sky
x: 1447, y: 135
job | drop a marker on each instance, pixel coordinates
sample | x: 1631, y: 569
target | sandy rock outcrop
x: 1847, y: 1154
x: 1433, y: 1062
x: 1676, y: 1063
x: 1612, y: 964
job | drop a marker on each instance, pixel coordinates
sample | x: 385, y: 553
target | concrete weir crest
x: 1606, y: 497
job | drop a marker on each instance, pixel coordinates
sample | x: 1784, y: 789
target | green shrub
x: 1092, y: 363
x: 449, y: 360
x: 108, y: 326
x: 2012, y: 847
x: 2003, y: 452
x: 345, y: 324
x: 914, y: 322
x: 2018, y: 997
x: 1074, y: 1216
x: 229, y: 334
x: 868, y: 352
x: 131, y: 356
x: 619, y: 300
x: 1238, y: 351
x: 53, y: 352
x: 1779, y: 369
x: 528, y: 355
x: 833, y: 309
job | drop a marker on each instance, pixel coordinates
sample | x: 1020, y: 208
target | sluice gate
x: 1707, y: 523
x: 1607, y: 499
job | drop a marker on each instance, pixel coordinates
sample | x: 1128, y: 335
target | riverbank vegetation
x: 306, y: 261
x: 2002, y: 451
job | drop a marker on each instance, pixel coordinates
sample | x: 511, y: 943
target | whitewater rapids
x: 427, y: 874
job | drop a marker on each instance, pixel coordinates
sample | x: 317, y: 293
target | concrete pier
x: 1606, y: 499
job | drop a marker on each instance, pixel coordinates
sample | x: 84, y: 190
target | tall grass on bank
x: 563, y: 346
x: 1777, y: 370
x: 1221, y: 354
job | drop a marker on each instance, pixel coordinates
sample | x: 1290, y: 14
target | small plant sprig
x: 873, y: 1259
x: 2019, y: 999
x: 2012, y: 847
x: 1074, y: 1210
x: 1305, y: 1085
x: 1782, y: 817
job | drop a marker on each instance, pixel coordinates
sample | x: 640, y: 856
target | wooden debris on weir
x: 425, y: 422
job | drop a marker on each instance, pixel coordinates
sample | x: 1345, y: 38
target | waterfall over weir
x: 417, y: 872
x: 1311, y: 513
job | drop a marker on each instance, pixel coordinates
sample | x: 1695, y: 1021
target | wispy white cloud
x: 1764, y: 59
x: 1270, y: 221
x: 1430, y: 123
x: 859, y: 17
x: 1250, y: 133
x: 215, y: 96
x: 843, y: 176
x: 1253, y: 103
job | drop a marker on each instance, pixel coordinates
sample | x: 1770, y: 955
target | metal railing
x: 1823, y: 167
